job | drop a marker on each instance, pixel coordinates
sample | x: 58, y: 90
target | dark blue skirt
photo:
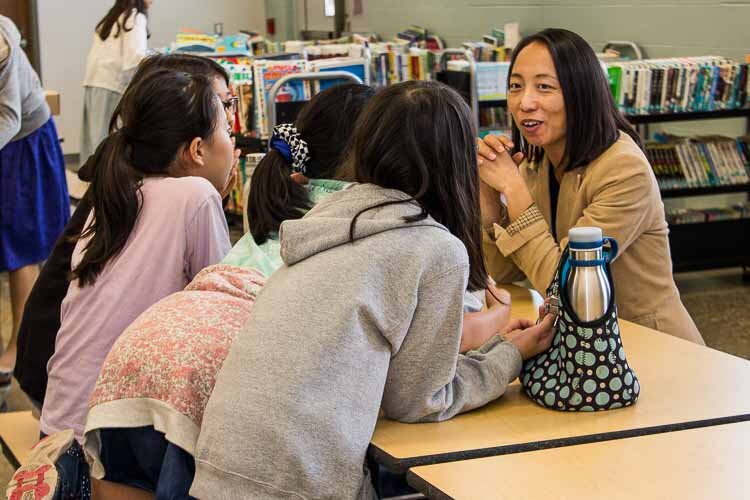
x: 34, y: 203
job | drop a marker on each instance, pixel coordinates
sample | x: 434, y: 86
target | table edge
x: 401, y: 465
x: 426, y: 488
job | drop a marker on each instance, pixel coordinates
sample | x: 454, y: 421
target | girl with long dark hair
x: 156, y: 221
x: 574, y: 161
x: 119, y: 43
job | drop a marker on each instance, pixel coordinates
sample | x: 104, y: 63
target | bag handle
x: 607, y: 255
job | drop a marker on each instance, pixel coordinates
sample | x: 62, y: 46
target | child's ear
x: 195, y: 152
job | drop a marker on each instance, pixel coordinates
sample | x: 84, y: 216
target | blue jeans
x: 142, y: 457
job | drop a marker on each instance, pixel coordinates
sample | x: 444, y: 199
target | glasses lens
x: 231, y: 104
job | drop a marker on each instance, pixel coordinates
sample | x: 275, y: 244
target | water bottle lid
x: 585, y: 237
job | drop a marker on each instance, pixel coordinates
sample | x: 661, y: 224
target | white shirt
x: 112, y: 62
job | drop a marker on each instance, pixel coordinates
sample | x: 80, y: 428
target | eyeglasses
x: 230, y: 105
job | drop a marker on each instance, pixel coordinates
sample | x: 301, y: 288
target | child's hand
x: 231, y: 181
x: 530, y: 339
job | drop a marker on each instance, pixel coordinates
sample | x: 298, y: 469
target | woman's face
x: 535, y: 99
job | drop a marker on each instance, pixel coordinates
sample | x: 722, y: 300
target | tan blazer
x: 618, y: 193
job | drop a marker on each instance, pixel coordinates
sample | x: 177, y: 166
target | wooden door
x: 23, y: 13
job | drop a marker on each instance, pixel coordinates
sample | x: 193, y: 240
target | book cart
x: 705, y: 245
x: 290, y: 111
x: 466, y: 83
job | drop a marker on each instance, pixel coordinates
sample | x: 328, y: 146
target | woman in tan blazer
x: 578, y: 163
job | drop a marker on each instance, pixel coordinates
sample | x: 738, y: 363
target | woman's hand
x: 493, y: 145
x: 499, y: 170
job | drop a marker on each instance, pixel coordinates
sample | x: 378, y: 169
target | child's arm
x: 455, y: 382
x: 481, y: 326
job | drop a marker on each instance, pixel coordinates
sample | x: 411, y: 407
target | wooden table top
x: 19, y: 431
x: 683, y: 385
x: 709, y: 462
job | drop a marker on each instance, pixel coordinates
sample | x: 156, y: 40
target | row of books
x: 696, y: 216
x: 395, y: 62
x: 252, y: 80
x: 420, y: 37
x: 705, y: 161
x: 679, y: 85
x: 240, y: 44
x: 495, y: 120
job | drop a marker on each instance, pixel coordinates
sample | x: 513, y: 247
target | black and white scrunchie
x: 288, y: 141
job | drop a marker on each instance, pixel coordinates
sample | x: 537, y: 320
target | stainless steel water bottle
x: 587, y: 285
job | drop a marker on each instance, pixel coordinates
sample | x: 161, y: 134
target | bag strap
x: 607, y: 255
x: 554, y: 286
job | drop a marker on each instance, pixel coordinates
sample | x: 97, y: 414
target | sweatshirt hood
x: 327, y: 224
x: 10, y: 32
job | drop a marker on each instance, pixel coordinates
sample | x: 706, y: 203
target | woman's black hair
x: 420, y: 138
x: 112, y: 19
x: 326, y: 123
x: 593, y: 122
x: 159, y: 115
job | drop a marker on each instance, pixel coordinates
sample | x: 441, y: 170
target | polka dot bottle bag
x: 585, y: 369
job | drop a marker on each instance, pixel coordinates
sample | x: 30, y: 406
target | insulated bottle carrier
x: 585, y: 368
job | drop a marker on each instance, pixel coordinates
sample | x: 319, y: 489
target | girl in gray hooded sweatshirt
x: 365, y: 313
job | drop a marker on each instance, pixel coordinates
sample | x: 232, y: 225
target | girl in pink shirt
x: 157, y: 220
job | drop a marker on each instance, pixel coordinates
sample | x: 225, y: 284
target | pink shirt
x: 181, y: 229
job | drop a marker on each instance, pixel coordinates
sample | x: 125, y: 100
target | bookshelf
x: 703, y: 191
x: 713, y: 244
x: 695, y: 115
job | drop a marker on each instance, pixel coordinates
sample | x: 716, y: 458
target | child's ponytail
x: 274, y: 197
x: 115, y: 199
x: 314, y: 147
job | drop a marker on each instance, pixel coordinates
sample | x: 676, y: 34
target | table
x: 711, y: 462
x: 683, y: 386
x: 19, y: 431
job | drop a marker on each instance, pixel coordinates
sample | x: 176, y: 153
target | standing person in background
x: 34, y: 204
x: 120, y: 42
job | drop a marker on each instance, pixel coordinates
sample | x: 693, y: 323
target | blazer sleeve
x: 623, y: 195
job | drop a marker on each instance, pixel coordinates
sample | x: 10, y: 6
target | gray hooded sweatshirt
x: 341, y: 330
x: 23, y: 108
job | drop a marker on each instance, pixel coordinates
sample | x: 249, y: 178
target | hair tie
x: 288, y: 141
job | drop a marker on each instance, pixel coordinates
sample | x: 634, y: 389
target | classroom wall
x: 663, y: 28
x: 65, y: 34
x: 317, y: 20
